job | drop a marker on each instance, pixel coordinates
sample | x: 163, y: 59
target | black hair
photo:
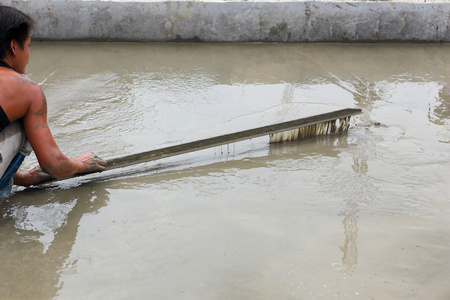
x: 14, y: 25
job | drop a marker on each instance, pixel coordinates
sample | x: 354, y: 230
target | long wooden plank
x: 169, y: 151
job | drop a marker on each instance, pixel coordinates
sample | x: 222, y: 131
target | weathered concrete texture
x: 303, y: 21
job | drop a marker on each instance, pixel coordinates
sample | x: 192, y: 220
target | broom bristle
x: 329, y: 127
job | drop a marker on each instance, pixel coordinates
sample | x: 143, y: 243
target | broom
x: 327, y: 123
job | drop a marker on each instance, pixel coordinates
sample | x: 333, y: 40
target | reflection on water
x: 350, y: 248
x: 441, y: 111
x: 43, y: 220
x: 350, y: 213
x: 363, y: 213
x: 37, y: 236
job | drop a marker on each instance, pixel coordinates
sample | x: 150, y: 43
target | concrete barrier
x: 268, y: 21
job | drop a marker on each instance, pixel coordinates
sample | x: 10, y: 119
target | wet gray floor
x: 363, y: 215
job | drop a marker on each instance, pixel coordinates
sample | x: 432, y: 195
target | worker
x: 23, y: 114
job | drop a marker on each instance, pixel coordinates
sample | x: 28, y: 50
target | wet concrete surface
x: 362, y: 215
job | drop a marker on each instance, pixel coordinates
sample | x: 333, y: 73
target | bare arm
x: 51, y: 160
x: 32, y: 107
x: 90, y: 161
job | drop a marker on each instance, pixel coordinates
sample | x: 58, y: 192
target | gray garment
x: 12, y: 141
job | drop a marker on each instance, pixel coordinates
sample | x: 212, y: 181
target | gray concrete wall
x: 301, y: 21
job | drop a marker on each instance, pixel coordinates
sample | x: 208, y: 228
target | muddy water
x: 364, y: 215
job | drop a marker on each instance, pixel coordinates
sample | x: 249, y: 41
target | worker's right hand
x: 91, y: 163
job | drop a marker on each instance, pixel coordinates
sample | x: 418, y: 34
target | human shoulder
x: 25, y: 86
x: 21, y: 80
x: 17, y: 81
x: 20, y: 95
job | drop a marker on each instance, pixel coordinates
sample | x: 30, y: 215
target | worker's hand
x: 34, y: 176
x: 88, y: 163
x: 91, y: 163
